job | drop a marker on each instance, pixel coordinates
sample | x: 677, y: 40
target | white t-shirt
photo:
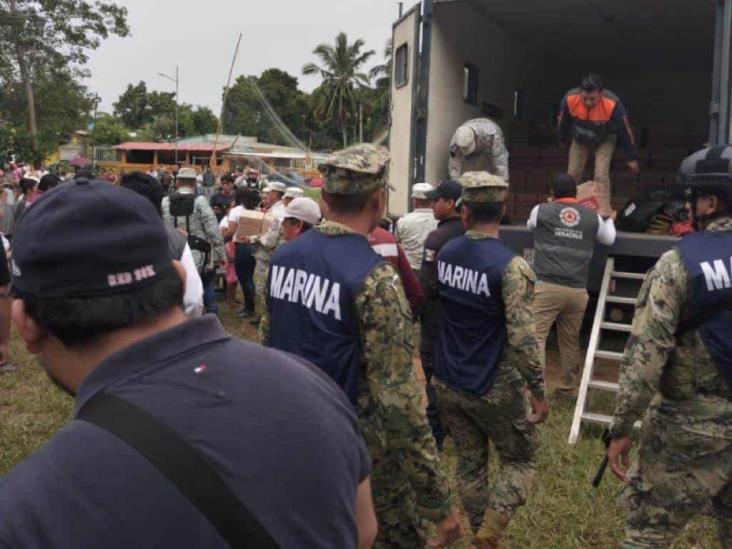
x: 235, y: 212
x: 233, y: 217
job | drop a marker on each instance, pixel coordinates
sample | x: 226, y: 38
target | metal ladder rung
x: 604, y: 386
x: 609, y: 355
x: 597, y: 418
x: 616, y: 327
x: 603, y: 419
x: 630, y: 276
x: 622, y: 300
x: 588, y: 382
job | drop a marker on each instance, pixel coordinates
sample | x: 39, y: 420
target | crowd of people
x: 322, y: 435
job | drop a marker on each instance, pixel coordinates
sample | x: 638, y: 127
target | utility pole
x: 177, y: 104
x: 96, y: 100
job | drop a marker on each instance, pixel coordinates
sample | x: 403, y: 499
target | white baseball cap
x: 294, y: 192
x: 188, y: 174
x: 305, y: 209
x: 465, y: 140
x: 420, y: 190
x: 277, y: 187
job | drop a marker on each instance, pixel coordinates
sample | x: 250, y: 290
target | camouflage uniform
x: 203, y: 224
x: 500, y: 415
x: 264, y: 247
x: 685, y: 455
x: 490, y: 152
x: 407, y: 482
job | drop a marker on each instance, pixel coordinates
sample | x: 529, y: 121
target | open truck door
x: 405, y: 44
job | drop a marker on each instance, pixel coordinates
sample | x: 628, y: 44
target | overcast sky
x: 200, y: 37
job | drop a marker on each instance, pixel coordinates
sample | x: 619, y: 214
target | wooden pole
x: 220, y: 127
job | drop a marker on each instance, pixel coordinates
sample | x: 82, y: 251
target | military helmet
x: 709, y: 172
x: 356, y: 169
x: 483, y: 187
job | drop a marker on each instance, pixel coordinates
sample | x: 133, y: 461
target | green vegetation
x: 563, y: 512
x: 339, y: 97
x: 43, y: 49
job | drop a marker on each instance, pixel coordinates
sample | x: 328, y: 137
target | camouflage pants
x: 682, y: 465
x: 260, y: 280
x: 395, y: 502
x: 473, y: 421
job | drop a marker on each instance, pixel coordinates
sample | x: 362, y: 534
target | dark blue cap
x: 447, y: 189
x: 88, y: 239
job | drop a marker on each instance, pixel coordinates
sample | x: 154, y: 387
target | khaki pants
x: 578, y: 156
x: 567, y: 307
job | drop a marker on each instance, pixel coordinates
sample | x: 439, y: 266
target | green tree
x: 245, y: 112
x: 203, y: 121
x: 51, y: 35
x: 63, y: 105
x: 379, y: 98
x: 340, y: 68
x: 133, y: 106
x: 109, y: 130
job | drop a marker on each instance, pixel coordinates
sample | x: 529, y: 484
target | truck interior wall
x: 667, y: 97
x: 461, y: 35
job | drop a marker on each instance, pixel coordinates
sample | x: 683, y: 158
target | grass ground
x: 564, y: 511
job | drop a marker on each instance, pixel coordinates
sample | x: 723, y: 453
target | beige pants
x: 578, y: 156
x: 566, y: 307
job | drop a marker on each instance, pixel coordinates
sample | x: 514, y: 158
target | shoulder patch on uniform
x: 430, y: 255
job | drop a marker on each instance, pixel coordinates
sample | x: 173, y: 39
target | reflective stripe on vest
x: 707, y: 258
x: 313, y: 282
x: 472, y: 332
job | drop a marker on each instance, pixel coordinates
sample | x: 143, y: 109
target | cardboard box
x: 587, y: 196
x: 250, y: 223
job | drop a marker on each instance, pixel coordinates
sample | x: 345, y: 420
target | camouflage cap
x: 483, y: 187
x: 354, y: 170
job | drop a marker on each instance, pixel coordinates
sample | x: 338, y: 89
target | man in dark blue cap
x: 450, y: 225
x: 172, y: 440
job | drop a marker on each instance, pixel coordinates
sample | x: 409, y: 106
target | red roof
x: 143, y: 146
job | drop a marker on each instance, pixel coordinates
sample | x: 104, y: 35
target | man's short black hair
x: 228, y: 178
x: 48, y: 182
x: 27, y: 185
x: 592, y: 82
x: 348, y: 204
x: 84, y: 174
x: 484, y: 212
x: 145, y: 185
x: 563, y: 186
x: 78, y: 321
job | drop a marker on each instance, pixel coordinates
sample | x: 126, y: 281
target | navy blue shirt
x: 707, y: 257
x: 472, y: 334
x: 277, y: 430
x: 313, y: 289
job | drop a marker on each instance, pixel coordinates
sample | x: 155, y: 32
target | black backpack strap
x: 694, y: 322
x: 182, y: 465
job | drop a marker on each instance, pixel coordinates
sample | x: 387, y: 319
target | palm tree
x: 340, y: 67
x: 382, y: 73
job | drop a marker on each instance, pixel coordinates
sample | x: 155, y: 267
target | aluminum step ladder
x: 594, y: 351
